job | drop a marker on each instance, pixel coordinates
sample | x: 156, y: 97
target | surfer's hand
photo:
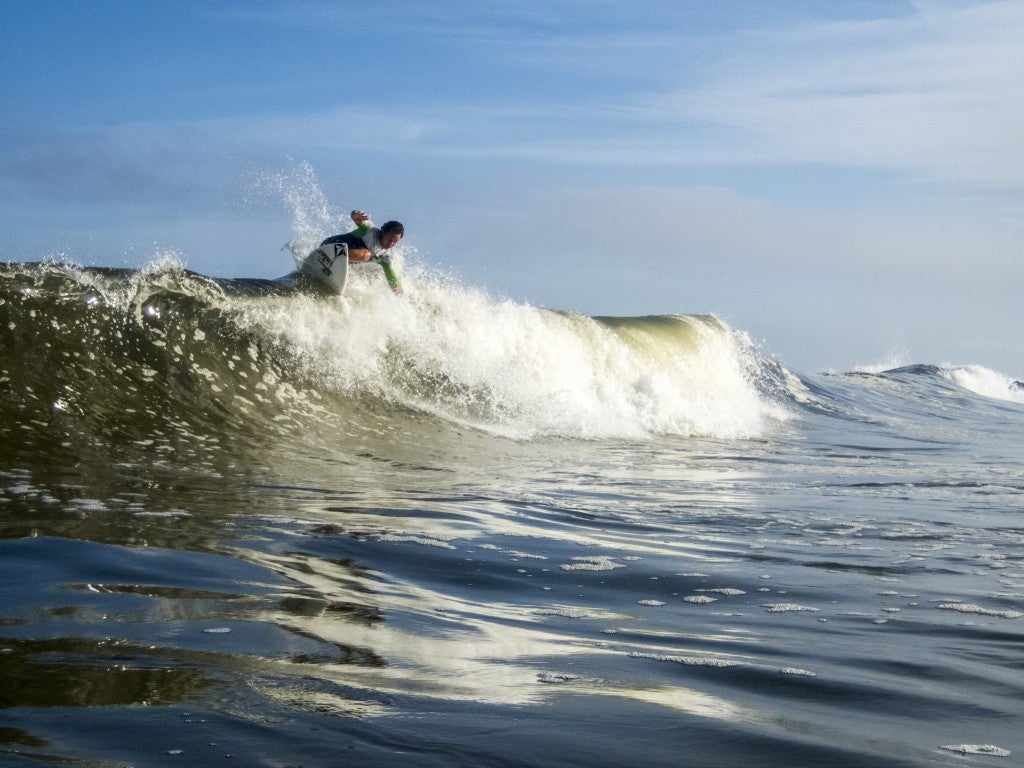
x: 360, y: 216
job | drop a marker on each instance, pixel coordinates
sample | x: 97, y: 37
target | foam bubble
x: 568, y: 613
x: 591, y: 564
x: 977, y: 609
x: 552, y: 678
x: 789, y: 608
x: 690, y: 661
x: 978, y: 749
x: 425, y: 541
x: 699, y: 599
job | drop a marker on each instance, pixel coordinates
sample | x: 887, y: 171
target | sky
x: 843, y: 181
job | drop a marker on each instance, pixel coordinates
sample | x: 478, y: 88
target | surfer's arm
x: 357, y: 250
x: 362, y: 222
x: 358, y: 255
x: 392, y: 277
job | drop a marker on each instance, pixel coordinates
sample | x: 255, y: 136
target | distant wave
x: 974, y: 378
x: 984, y: 381
x: 143, y: 349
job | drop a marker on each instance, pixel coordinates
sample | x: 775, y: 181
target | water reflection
x: 75, y: 672
x: 447, y: 566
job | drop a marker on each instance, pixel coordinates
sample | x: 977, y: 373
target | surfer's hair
x: 392, y: 226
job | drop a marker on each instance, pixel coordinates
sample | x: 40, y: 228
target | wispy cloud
x: 934, y: 94
x: 938, y: 93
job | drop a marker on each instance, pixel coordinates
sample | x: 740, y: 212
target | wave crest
x: 254, y: 353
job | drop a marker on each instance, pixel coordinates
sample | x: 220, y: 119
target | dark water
x: 246, y: 527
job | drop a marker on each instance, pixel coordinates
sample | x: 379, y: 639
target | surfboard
x: 328, y: 266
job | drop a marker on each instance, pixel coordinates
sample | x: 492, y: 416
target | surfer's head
x: 391, y: 233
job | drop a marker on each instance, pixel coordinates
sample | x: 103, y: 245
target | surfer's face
x: 390, y: 239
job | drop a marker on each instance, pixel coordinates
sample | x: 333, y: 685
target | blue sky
x: 841, y: 180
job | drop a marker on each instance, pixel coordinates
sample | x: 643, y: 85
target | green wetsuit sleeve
x: 361, y: 229
x: 391, y: 275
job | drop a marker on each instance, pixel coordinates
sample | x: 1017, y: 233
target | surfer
x: 368, y: 243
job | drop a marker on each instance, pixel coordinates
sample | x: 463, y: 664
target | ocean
x: 244, y: 525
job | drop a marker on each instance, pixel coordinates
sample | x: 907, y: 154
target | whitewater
x: 245, y: 524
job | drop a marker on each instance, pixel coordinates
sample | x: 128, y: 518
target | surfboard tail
x: 328, y: 265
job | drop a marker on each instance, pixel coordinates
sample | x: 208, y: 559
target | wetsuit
x: 368, y: 236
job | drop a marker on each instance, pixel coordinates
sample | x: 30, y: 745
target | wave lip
x: 986, y: 382
x: 121, y: 340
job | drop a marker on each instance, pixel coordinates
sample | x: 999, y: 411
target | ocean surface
x: 244, y: 525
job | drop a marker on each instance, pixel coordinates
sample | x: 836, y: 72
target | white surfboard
x: 328, y: 266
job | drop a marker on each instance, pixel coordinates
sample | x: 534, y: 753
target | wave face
x: 170, y: 350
